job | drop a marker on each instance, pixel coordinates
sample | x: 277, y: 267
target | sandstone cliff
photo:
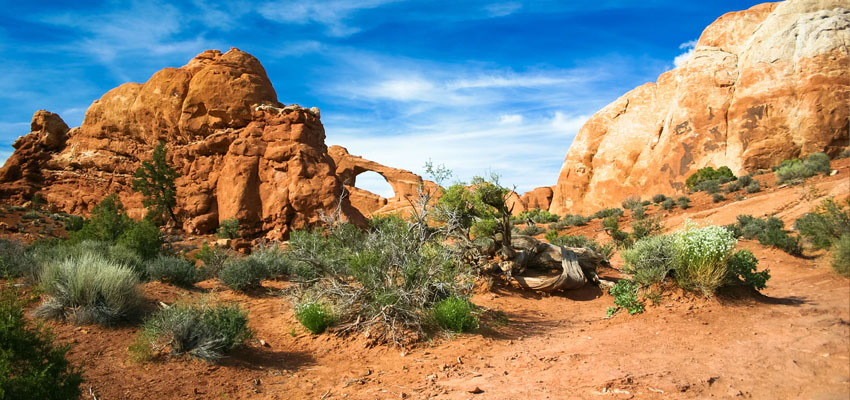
x: 763, y: 85
x: 239, y: 152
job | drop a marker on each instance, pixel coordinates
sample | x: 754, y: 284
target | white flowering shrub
x: 701, y: 257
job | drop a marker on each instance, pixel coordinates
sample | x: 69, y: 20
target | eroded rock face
x: 240, y: 154
x: 763, y: 85
x: 405, y: 184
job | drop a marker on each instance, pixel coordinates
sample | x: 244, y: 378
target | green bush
x: 732, y: 187
x: 205, y: 332
x: 535, y: 215
x: 14, y: 260
x: 74, y: 223
x: 841, y: 255
x: 717, y: 197
x: 575, y: 220
x: 31, y: 366
x: 608, y: 212
x: 797, y: 169
x: 825, y: 224
x: 745, y: 180
x: 175, y: 270
x: 684, y: 202
x: 229, y: 229
x: 89, y: 289
x: 49, y: 251
x: 611, y: 226
x: 658, y: 198
x: 646, y: 227
x: 754, y: 187
x: 650, y: 259
x: 272, y: 258
x: 711, y: 187
x: 531, y: 230
x: 314, y: 316
x: 625, y: 294
x: 638, y: 211
x: 769, y: 232
x: 108, y: 221
x: 456, y: 314
x: 143, y: 237
x: 242, y: 273
x: 709, y: 174
x: 743, y: 265
x: 668, y: 204
x: 213, y: 260
x: 701, y: 257
x: 630, y: 202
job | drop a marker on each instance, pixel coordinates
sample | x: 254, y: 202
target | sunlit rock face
x: 240, y: 153
x: 763, y: 85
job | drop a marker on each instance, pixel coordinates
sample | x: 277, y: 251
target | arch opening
x: 375, y: 183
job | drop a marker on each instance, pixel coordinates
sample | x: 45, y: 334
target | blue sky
x: 478, y: 86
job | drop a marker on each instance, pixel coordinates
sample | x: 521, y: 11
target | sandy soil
x: 792, y: 341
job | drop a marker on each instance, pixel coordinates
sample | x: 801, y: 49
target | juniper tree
x: 155, y: 180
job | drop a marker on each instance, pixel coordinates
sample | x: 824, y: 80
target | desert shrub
x: 45, y: 252
x: 143, y: 237
x: 213, y: 260
x: 745, y: 180
x: 89, y: 289
x: 383, y: 280
x: 175, y: 270
x: 154, y: 179
x: 712, y: 186
x: 701, y: 256
x: 314, y: 316
x: 717, y: 197
x: 732, y: 187
x: 753, y: 187
x: 108, y: 221
x: 455, y: 314
x: 743, y: 265
x: 796, y: 169
x: 844, y: 154
x: 709, y: 174
x: 205, y: 332
x: 638, y: 211
x: 242, y: 273
x: 15, y: 261
x: 272, y: 258
x: 650, y: 259
x: 841, y: 255
x: 769, y: 232
x: 825, y: 224
x: 668, y: 204
x: 580, y: 241
x: 535, y: 215
x: 658, y: 198
x: 646, y: 227
x: 625, y: 294
x: 74, y: 223
x: 575, y: 220
x: 531, y: 230
x: 684, y: 202
x: 32, y: 214
x: 31, y: 366
x: 630, y: 202
x: 608, y: 212
x: 611, y: 226
x: 228, y: 229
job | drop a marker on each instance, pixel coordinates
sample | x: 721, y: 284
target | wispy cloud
x: 333, y: 14
x: 502, y: 9
x: 681, y: 59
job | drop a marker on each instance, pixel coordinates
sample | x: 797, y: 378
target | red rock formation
x: 405, y: 184
x: 239, y: 153
x: 763, y: 85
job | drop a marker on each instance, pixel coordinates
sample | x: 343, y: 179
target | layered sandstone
x: 763, y: 85
x: 239, y: 152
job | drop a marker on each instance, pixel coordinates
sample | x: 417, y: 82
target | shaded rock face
x: 239, y: 153
x: 763, y: 85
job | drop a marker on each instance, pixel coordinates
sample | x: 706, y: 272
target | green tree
x: 155, y: 180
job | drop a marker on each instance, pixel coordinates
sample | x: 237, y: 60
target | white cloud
x: 681, y: 59
x: 333, y: 14
x: 502, y: 9
x: 510, y: 119
x: 568, y: 124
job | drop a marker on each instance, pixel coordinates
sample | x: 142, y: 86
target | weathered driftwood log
x: 578, y: 265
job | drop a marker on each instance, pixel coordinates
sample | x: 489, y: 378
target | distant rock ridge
x: 763, y: 85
